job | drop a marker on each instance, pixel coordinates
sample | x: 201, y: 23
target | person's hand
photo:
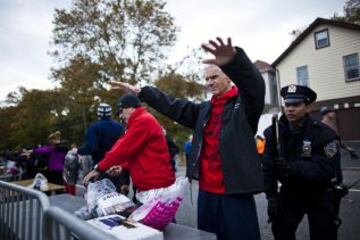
x: 126, y: 87
x: 124, y: 189
x: 91, y: 176
x: 281, y: 167
x: 273, y: 209
x: 74, y: 151
x: 114, y: 171
x: 353, y: 154
x: 223, y: 53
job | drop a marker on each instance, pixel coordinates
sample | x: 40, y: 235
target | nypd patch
x: 306, y: 149
x: 331, y: 149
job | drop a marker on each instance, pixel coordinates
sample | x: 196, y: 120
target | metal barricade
x: 21, y: 212
x: 7, y: 177
x: 61, y: 225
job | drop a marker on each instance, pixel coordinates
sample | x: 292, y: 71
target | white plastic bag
x: 71, y: 166
x: 40, y: 183
x: 102, y: 199
x: 160, y: 205
x: 86, y: 164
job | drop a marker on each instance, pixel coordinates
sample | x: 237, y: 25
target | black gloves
x: 340, y: 191
x: 281, y: 167
x: 273, y: 209
x: 353, y: 155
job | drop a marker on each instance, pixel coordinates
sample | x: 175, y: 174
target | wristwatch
x: 96, y: 167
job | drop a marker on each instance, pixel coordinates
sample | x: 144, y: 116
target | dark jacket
x: 241, y: 164
x: 100, y: 137
x: 311, y: 154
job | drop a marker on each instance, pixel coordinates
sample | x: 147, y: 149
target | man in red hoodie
x: 142, y: 150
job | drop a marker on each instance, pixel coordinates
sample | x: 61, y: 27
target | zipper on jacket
x: 197, y: 159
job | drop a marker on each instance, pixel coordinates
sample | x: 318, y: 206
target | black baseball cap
x: 298, y: 93
x: 128, y: 101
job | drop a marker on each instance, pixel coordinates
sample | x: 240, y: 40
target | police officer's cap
x: 326, y: 109
x: 298, y: 93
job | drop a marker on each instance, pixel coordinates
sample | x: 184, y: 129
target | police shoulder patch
x: 331, y: 149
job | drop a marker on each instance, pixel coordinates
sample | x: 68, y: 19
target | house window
x: 322, y: 39
x: 351, y: 67
x: 302, y: 76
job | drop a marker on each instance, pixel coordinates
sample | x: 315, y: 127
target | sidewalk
x: 346, y: 162
x: 350, y: 205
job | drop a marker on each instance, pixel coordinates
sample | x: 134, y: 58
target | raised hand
x: 222, y: 52
x: 126, y: 87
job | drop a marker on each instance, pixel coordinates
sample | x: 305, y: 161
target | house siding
x: 325, y: 65
x: 266, y: 78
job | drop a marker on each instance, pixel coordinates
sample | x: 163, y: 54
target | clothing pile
x: 157, y: 207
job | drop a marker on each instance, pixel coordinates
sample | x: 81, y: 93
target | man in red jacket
x: 142, y: 149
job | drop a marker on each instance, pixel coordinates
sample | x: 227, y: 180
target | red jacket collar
x: 138, y: 111
x: 232, y: 92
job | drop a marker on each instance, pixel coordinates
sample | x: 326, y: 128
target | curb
x: 351, y: 168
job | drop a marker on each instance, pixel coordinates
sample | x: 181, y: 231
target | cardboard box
x: 123, y: 229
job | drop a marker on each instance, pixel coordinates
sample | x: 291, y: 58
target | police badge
x: 331, y: 149
x: 292, y: 89
x: 306, y: 149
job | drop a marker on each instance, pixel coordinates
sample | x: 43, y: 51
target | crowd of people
x: 231, y: 165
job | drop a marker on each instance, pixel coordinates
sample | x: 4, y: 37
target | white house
x: 268, y: 74
x: 325, y: 57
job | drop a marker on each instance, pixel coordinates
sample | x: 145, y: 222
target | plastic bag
x: 12, y: 169
x: 160, y: 205
x: 71, y: 166
x: 40, y: 183
x: 86, y: 164
x: 102, y: 199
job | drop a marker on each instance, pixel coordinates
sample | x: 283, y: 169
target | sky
x: 260, y: 27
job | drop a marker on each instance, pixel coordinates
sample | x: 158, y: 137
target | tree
x: 82, y: 90
x: 176, y: 85
x: 98, y: 40
x: 182, y: 80
x: 351, y: 11
x: 127, y: 38
x: 6, y: 118
x: 29, y: 122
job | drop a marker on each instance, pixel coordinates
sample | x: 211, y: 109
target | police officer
x: 329, y: 118
x: 305, y: 167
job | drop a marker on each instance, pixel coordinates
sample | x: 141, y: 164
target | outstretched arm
x: 180, y: 110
